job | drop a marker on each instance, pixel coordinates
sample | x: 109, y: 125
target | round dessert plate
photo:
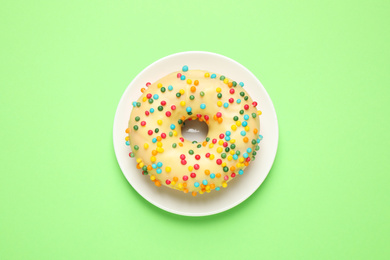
x: 238, y: 189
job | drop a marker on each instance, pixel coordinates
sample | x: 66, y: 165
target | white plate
x: 240, y: 188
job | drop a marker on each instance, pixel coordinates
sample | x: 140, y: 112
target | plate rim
x: 223, y: 209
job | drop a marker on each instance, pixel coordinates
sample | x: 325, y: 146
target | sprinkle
x: 219, y: 95
x: 193, y: 89
x: 222, y: 77
x: 213, y: 76
x: 238, y: 101
x: 188, y: 109
x: 206, y: 75
x: 185, y: 178
x: 241, y: 84
x: 183, y: 77
x: 189, y: 81
x: 170, y: 87
x: 196, y: 184
x: 151, y: 110
x: 218, y: 90
x: 234, y: 127
x: 173, y: 126
x: 201, y: 93
x: 159, y: 171
x: 246, y: 107
x: 226, y: 81
x: 182, y: 103
x: 245, y: 123
x: 219, y: 114
x: 226, y: 105
x: 193, y: 175
x: 185, y: 68
x: 204, y: 182
x: 162, y: 89
x: 150, y: 132
x: 143, y: 123
x: 155, y: 96
x: 219, y: 103
x: 212, y: 176
x: 146, y: 145
x: 241, y: 172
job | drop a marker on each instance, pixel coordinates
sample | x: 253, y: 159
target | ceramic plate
x: 238, y: 189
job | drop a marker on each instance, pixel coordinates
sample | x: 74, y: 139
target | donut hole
x: 194, y: 130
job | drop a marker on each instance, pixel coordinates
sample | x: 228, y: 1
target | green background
x: 64, y: 66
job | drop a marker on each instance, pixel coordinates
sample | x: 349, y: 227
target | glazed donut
x: 193, y: 167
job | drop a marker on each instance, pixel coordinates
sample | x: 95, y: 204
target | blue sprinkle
x: 159, y: 171
x: 241, y: 172
x: 241, y: 84
x: 202, y: 106
x: 238, y: 101
x: 155, y: 96
x: 235, y: 157
x: 213, y: 76
x: 204, y: 182
x: 173, y: 126
x: 188, y: 109
x: 185, y: 68
x: 159, y: 164
x: 170, y: 87
x: 183, y: 77
x: 151, y: 110
x: 217, y: 189
x: 134, y: 104
x: 258, y: 140
x: 154, y: 166
x: 246, y: 117
x: 244, y: 124
x: 196, y: 184
x: 225, y: 105
x: 243, y: 133
x: 248, y: 150
x: 127, y: 143
x: 245, y: 155
x: 227, y: 138
x: 261, y: 137
x: 212, y: 176
x: 154, y: 140
x: 228, y: 133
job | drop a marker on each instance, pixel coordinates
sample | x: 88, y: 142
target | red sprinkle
x: 225, y: 144
x: 254, y: 103
x: 219, y: 114
x: 182, y: 156
x: 231, y: 100
x: 149, y: 95
x: 147, y: 113
x: 197, y: 157
x: 168, y: 182
x: 193, y: 175
x: 206, y: 117
x: 221, y: 136
x: 226, y: 177
x: 181, y: 139
x: 185, y: 177
x: 150, y: 132
x: 219, y: 161
x: 148, y: 84
x: 199, y: 115
x: 163, y: 103
x: 168, y: 114
x: 214, y: 141
x: 248, y: 159
x: 163, y: 135
x: 231, y: 91
x: 207, y: 155
x: 143, y: 123
x: 178, y: 75
x: 196, y: 166
x: 173, y: 107
x: 246, y: 107
x: 233, y: 175
x: 184, y: 162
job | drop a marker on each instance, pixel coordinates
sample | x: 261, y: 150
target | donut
x: 161, y: 152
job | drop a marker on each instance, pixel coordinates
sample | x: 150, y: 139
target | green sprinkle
x: 136, y: 147
x: 174, y: 145
x: 254, y: 141
x: 222, y: 77
x: 202, y: 93
x: 192, y: 97
x: 238, y: 152
x: 156, y: 130
x: 227, y: 149
x: 242, y: 94
x: 232, y: 146
x: 160, y: 108
x: 235, y: 118
x: 199, y: 146
x: 223, y: 155
x: 219, y: 95
x: 189, y: 113
x: 178, y: 94
x: 225, y: 169
x: 150, y: 100
x: 144, y: 168
x: 137, y: 118
x: 254, y: 153
x: 254, y: 115
x: 162, y: 89
x: 234, y: 83
x: 257, y: 148
x: 242, y: 111
x: 170, y: 133
x: 246, y: 98
x: 207, y: 139
x: 138, y: 104
x: 135, y: 127
x: 180, y: 121
x: 191, y: 152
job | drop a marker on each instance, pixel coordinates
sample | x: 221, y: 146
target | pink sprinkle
x: 163, y: 135
x: 163, y: 103
x: 147, y: 113
x: 231, y: 91
x: 219, y: 161
x: 168, y: 182
x: 254, y: 103
x: 221, y: 136
x: 246, y: 107
x: 184, y: 162
x: 214, y: 141
x: 148, y: 84
x: 196, y: 166
x: 231, y: 100
x: 219, y: 114
x: 178, y: 75
x: 197, y: 157
x: 207, y: 155
x: 150, y: 132
x: 193, y: 175
x: 233, y: 175
x: 149, y: 95
x: 173, y: 107
x: 225, y: 144
x: 226, y: 177
x: 182, y: 156
x: 168, y: 114
x: 185, y: 177
x: 206, y: 117
x: 143, y: 123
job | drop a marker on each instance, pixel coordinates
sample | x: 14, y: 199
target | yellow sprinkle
x: 223, y: 164
x: 211, y: 145
x: 229, y: 158
x: 189, y: 81
x: 238, y: 165
x: 144, y: 99
x: 190, y: 168
x: 181, y: 91
x: 246, y: 128
x: 219, y: 149
x: 211, y: 156
x: 153, y: 159
x: 207, y: 187
x: 224, y: 184
x: 220, y: 142
x: 146, y: 145
x: 168, y: 169
x: 152, y: 177
x: 159, y: 85
x: 241, y: 159
x: 208, y: 191
x: 238, y: 123
x: 234, y: 128
x: 139, y: 160
x: 159, y: 144
x: 159, y: 122
x: 160, y: 150
x: 141, y: 164
x: 182, y: 103
x: 180, y: 186
x: 206, y: 75
x: 259, y: 112
x: 232, y: 141
x: 218, y: 89
x: 173, y: 183
x: 232, y: 152
x: 174, y: 133
x: 127, y: 138
x: 201, y: 192
x: 226, y: 81
x: 219, y: 103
